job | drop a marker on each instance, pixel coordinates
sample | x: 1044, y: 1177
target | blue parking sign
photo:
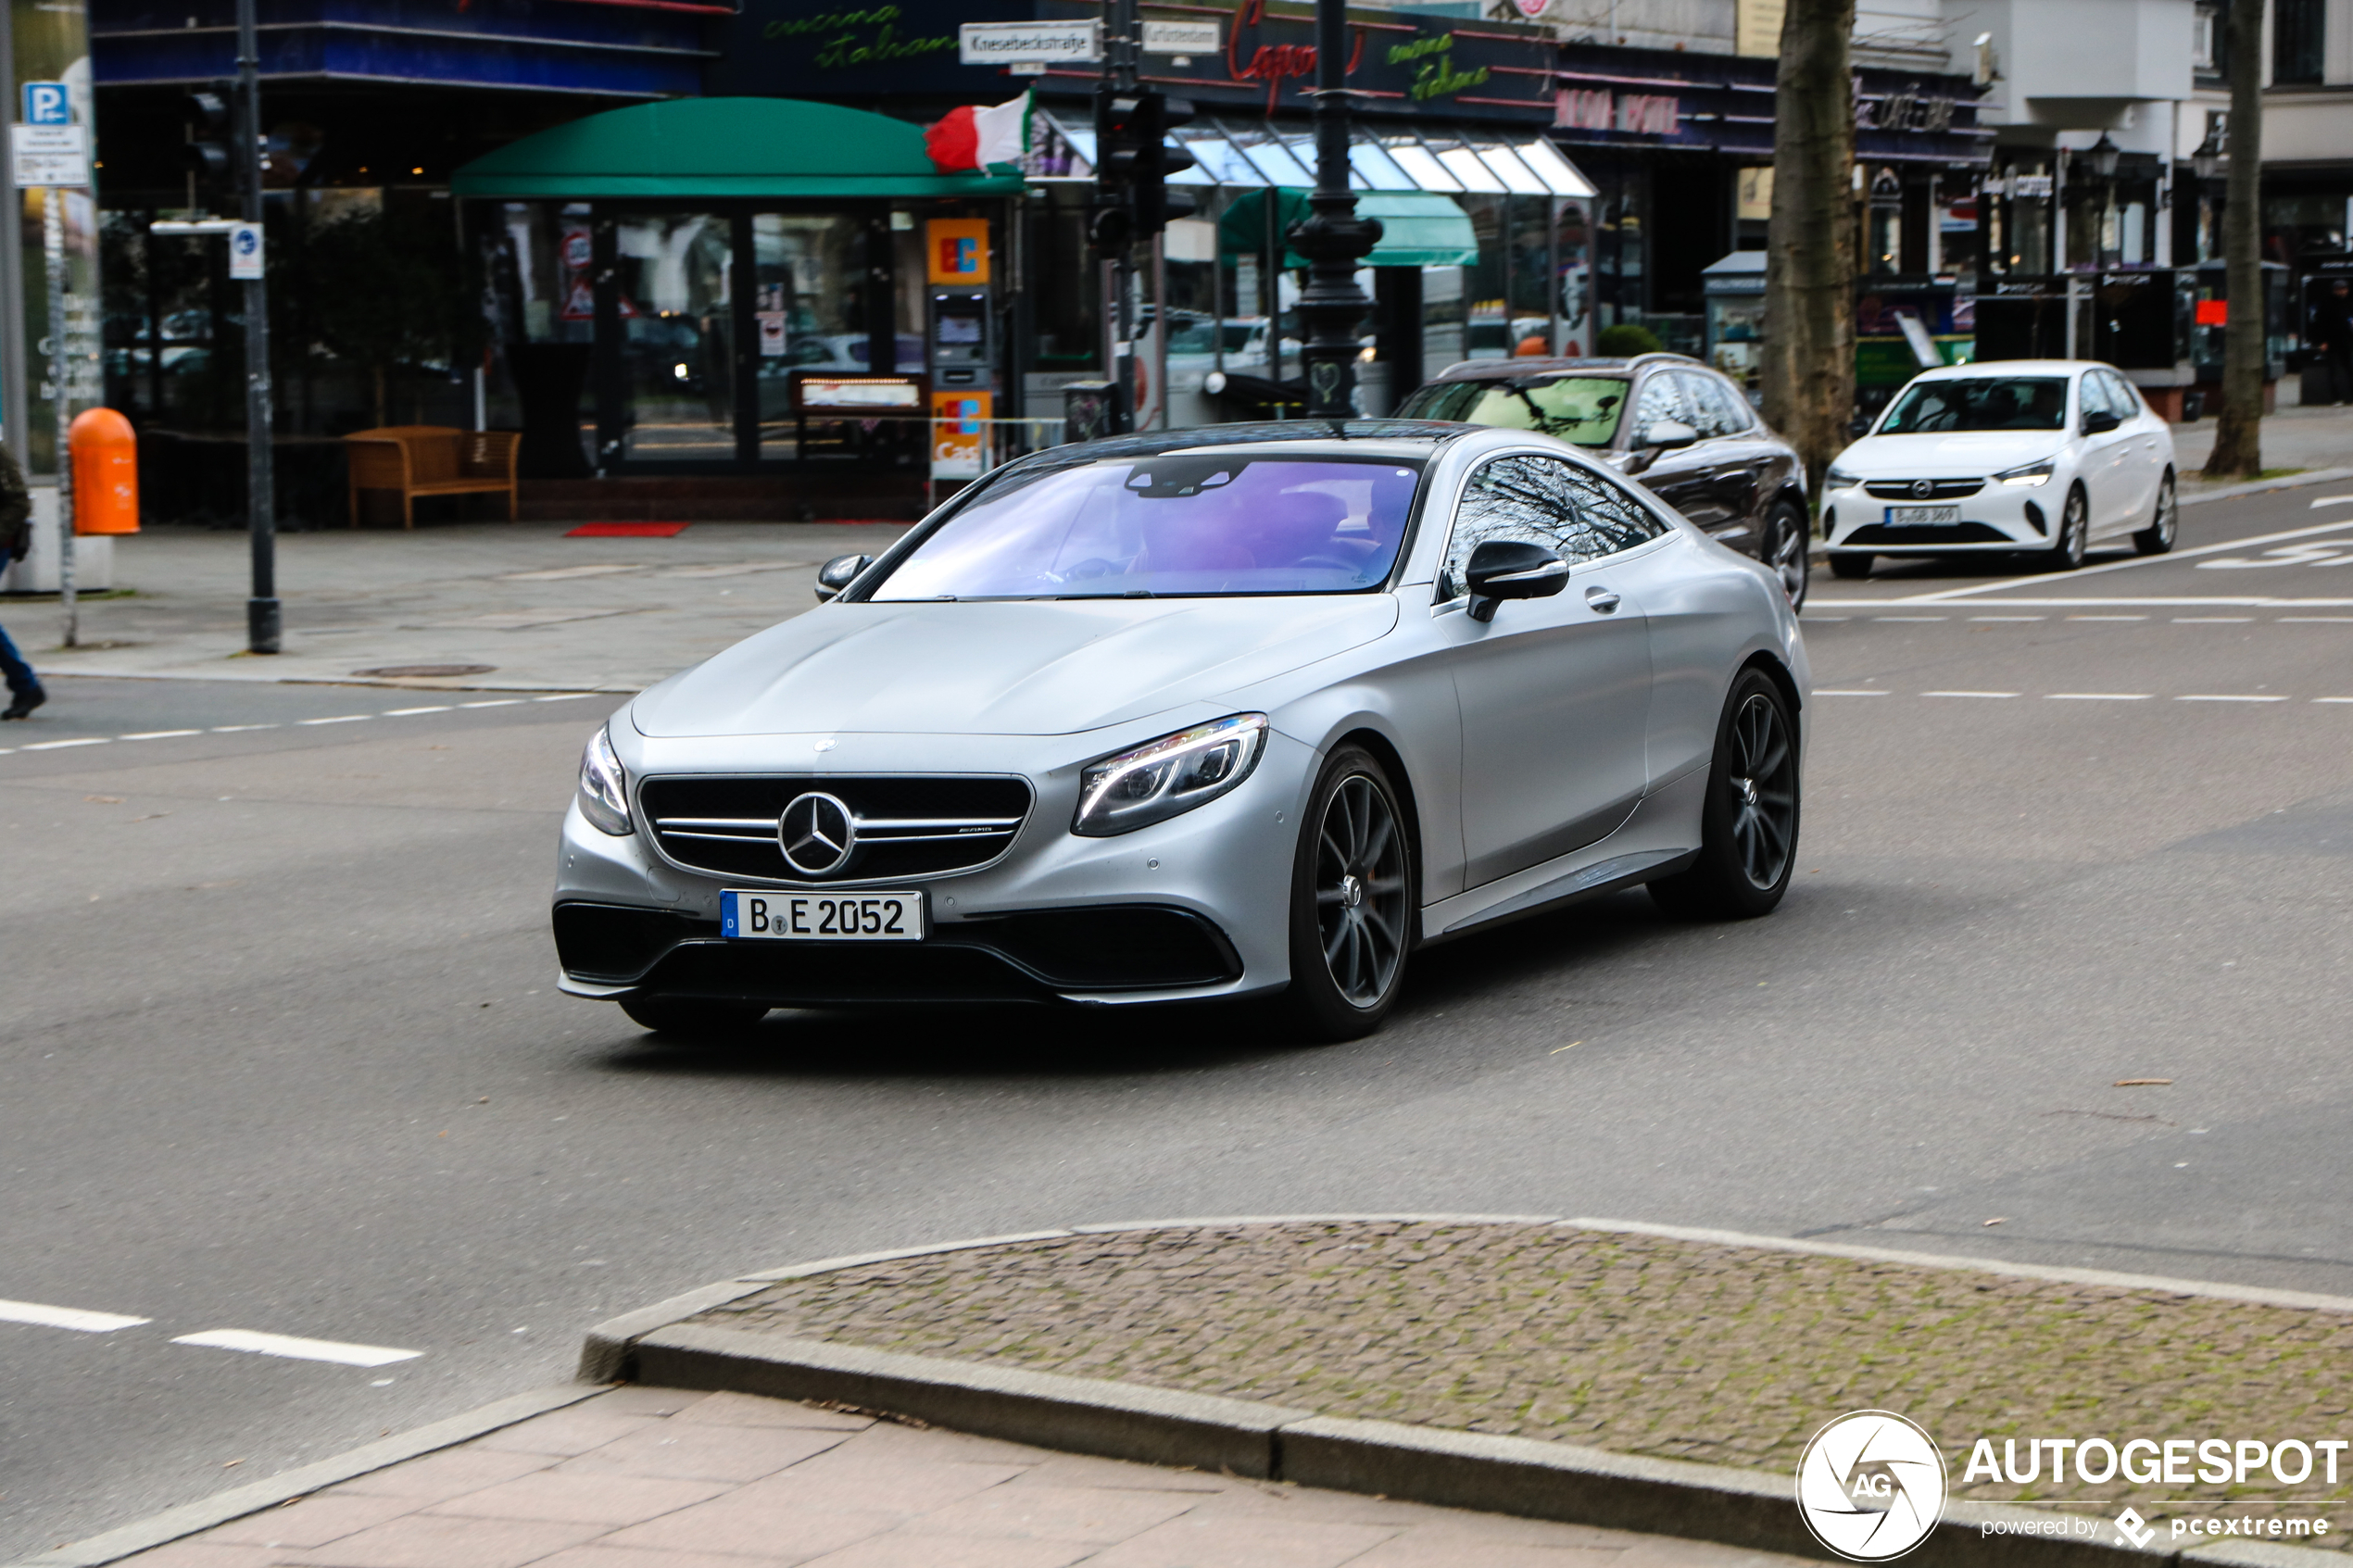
x: 46, y: 103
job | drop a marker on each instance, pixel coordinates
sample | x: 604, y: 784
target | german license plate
x: 1923, y: 517
x: 849, y: 916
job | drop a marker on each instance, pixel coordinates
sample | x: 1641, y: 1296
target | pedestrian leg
x: 24, y: 686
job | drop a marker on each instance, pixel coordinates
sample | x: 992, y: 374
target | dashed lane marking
x: 2108, y: 618
x: 2212, y: 619
x: 158, y: 734
x: 1969, y: 694
x: 2226, y: 697
x: 2009, y: 618
x: 2098, y: 696
x: 55, y: 745
x: 333, y: 719
x: 1825, y: 691
x: 66, y: 1317
x: 405, y: 712
x: 252, y: 1343
x: 338, y: 719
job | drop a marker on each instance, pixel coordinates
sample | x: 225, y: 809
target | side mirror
x: 837, y: 574
x: 2099, y: 421
x: 1511, y: 569
x: 1859, y: 425
x: 1669, y: 433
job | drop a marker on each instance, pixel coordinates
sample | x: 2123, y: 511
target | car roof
x: 1368, y: 438
x: 1504, y: 369
x: 2013, y: 368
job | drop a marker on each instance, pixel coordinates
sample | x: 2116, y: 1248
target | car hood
x: 1961, y: 455
x: 1028, y: 668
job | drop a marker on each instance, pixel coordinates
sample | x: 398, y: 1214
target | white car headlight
x: 2030, y: 473
x: 604, y: 787
x: 1160, y: 779
x: 1837, y: 477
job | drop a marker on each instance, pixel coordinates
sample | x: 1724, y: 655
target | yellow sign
x: 958, y: 433
x: 1756, y: 27
x: 956, y: 250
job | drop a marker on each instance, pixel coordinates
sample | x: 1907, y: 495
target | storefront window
x: 807, y: 272
x: 677, y: 339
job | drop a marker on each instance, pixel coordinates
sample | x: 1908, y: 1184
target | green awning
x: 704, y: 147
x: 1418, y: 228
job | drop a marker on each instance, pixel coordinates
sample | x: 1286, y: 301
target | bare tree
x: 2238, y: 435
x: 1808, y: 364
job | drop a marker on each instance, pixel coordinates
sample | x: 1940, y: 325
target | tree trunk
x: 1808, y: 364
x: 2238, y: 435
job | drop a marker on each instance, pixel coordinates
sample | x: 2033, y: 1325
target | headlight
x: 1173, y: 774
x: 604, y: 787
x: 1839, y: 479
x: 2032, y: 474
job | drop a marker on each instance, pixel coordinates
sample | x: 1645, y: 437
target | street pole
x: 263, y: 620
x: 1119, y: 56
x: 53, y: 246
x: 1333, y: 238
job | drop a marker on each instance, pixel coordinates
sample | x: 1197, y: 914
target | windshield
x: 1187, y: 524
x: 1199, y: 337
x: 1979, y: 403
x: 1582, y: 409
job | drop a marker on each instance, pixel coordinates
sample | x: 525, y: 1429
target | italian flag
x: 973, y: 138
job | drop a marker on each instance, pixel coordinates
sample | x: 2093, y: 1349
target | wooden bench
x: 431, y: 460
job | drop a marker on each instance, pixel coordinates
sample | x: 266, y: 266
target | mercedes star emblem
x: 816, y: 832
x: 1923, y: 488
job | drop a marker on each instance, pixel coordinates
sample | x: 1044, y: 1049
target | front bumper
x: 1998, y: 517
x: 1196, y: 907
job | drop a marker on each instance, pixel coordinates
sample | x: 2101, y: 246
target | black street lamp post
x: 1332, y: 237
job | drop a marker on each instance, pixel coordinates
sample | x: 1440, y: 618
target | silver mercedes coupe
x: 1251, y: 712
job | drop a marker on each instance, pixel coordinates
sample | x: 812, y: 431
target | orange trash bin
x: 105, y: 472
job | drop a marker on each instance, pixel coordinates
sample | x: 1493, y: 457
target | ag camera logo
x: 1871, y: 1485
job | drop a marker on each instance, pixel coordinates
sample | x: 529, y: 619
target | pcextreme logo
x: 1871, y: 1485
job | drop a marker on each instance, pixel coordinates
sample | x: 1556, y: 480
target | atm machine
x: 961, y: 345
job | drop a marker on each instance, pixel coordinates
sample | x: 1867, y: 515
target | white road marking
x: 54, y: 744
x: 2329, y: 501
x: 2009, y: 618
x: 2333, y: 699
x: 2097, y: 696
x: 1969, y: 694
x: 404, y: 712
x: 1911, y: 618
x: 575, y: 697
x: 338, y: 719
x: 494, y: 702
x: 1820, y: 691
x: 233, y: 729
x: 2315, y: 620
x: 1949, y: 595
x: 2226, y: 697
x: 2108, y: 618
x: 66, y: 1317
x: 2211, y: 619
x: 158, y: 734
x: 298, y: 1350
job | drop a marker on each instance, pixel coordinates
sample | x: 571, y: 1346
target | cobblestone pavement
x: 1640, y: 1345
x: 654, y: 1478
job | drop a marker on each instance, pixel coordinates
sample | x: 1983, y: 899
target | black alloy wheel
x: 692, y: 1018
x: 2074, y: 533
x: 2158, y: 537
x: 1850, y: 565
x: 1748, y: 828
x: 1352, y: 901
x: 1787, y: 547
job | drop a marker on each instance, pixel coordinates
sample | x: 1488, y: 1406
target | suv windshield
x: 1979, y: 403
x: 1185, y: 524
x: 1582, y: 409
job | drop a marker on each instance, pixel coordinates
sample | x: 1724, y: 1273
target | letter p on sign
x: 46, y: 103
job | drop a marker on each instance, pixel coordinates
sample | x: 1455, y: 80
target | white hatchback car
x: 2038, y: 454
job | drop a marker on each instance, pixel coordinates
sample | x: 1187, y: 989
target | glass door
x: 809, y: 287
x: 671, y: 313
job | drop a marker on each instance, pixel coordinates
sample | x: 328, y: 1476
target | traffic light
x: 1154, y: 203
x: 211, y: 135
x: 1119, y: 155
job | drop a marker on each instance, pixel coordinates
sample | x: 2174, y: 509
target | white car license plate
x: 849, y: 916
x: 1923, y: 517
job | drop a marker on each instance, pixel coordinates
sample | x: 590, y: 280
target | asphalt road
x: 282, y: 1053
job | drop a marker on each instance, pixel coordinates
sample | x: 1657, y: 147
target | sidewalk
x: 528, y: 608
x: 657, y: 1478
x: 2318, y: 437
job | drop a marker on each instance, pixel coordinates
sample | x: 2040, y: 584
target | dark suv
x: 1691, y: 438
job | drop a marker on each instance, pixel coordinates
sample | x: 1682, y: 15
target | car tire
x: 1353, y: 901
x: 2074, y: 535
x: 2158, y: 537
x: 692, y: 1017
x: 1850, y: 565
x: 1786, y: 545
x: 1748, y: 827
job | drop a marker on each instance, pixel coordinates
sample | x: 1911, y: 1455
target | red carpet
x: 628, y: 531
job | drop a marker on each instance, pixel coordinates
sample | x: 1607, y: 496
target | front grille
x: 906, y: 827
x: 1926, y: 534
x: 1938, y: 489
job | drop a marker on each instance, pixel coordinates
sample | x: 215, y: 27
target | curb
x: 1440, y: 1466
x: 175, y: 1523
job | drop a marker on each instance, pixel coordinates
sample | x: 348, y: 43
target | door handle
x: 1601, y: 599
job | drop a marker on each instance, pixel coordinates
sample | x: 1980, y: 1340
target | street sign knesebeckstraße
x: 996, y: 44
x: 244, y: 251
x: 49, y: 155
